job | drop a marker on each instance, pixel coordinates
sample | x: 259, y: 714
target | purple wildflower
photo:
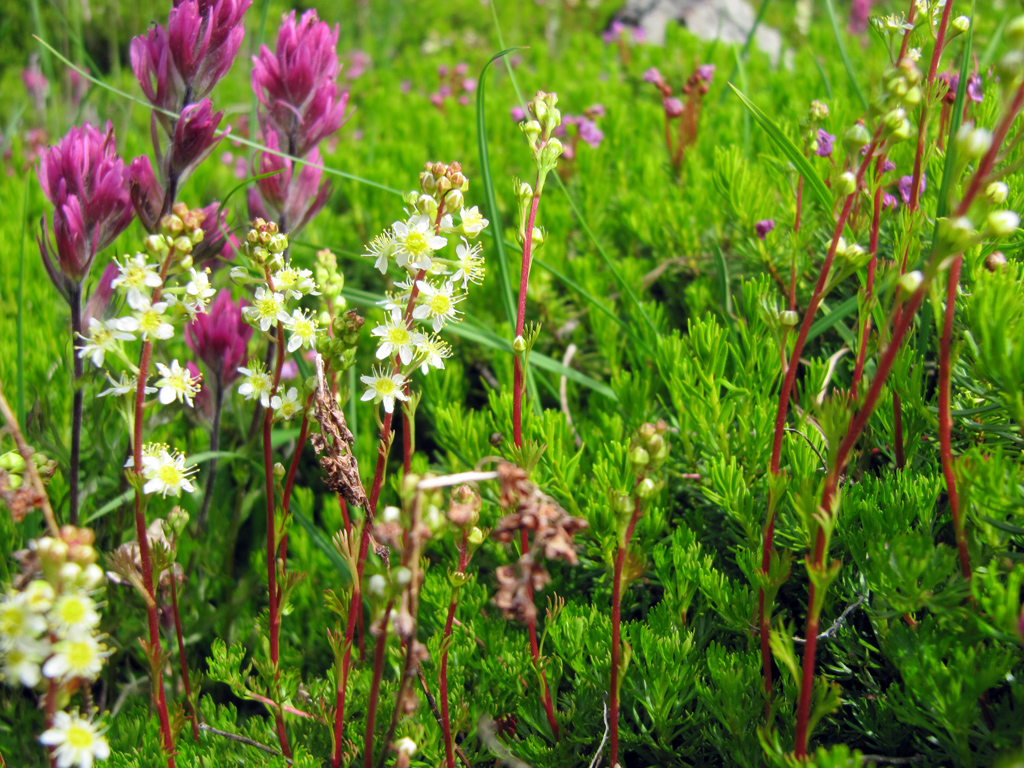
x: 763, y: 227
x: 589, y: 132
x: 87, y: 184
x: 614, y: 32
x: 461, y: 69
x: 904, y: 187
x: 654, y: 77
x: 296, y: 84
x: 974, y: 88
x: 195, y: 137
x: 673, y: 107
x: 595, y: 110
x: 35, y: 83
x: 860, y: 10
x: 705, y: 72
x: 469, y: 84
x: 290, y: 198
x: 518, y: 114
x: 220, y: 337
x: 888, y: 201
x: 98, y: 302
x: 825, y: 142
x: 888, y: 165
x: 146, y: 193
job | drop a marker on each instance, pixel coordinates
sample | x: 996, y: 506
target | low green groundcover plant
x: 485, y: 385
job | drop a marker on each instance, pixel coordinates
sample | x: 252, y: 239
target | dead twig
x: 242, y: 740
x: 604, y: 739
x: 42, y: 501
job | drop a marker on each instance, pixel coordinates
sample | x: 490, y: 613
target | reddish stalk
x: 378, y: 671
x: 518, y: 386
x: 940, y: 41
x: 613, y: 707
x: 51, y: 710
x: 906, y: 33
x: 873, y: 250
x: 181, y: 657
x: 292, y: 469
x: 946, y: 417
x: 140, y: 533
x: 789, y: 378
x: 442, y: 677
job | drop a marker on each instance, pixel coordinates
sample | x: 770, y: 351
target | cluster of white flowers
x: 49, y: 631
x: 280, y: 284
x: 434, y: 281
x: 154, y: 307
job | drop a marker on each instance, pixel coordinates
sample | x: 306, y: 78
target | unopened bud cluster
x: 13, y: 468
x: 648, y: 452
x: 544, y: 119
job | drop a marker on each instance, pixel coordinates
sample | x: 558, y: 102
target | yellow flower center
x: 385, y: 386
x: 72, y: 611
x: 399, y: 336
x: 416, y: 242
x: 79, y: 737
x: 170, y: 475
x: 267, y: 307
x: 80, y: 655
x: 439, y: 304
x: 149, y: 321
x: 11, y: 621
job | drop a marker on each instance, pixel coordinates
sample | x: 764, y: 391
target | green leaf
x: 813, y: 181
x: 322, y: 543
x: 110, y: 506
x: 841, y: 312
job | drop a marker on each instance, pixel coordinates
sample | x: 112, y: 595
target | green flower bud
x: 12, y: 462
x: 279, y: 472
x: 973, y: 142
x: 957, y: 233
x: 819, y: 111
x: 1011, y: 65
x: 910, y: 282
x: 856, y: 137
x: 647, y: 488
x: 639, y: 457
x: 550, y: 153
x: 453, y: 201
x: 475, y: 538
x: 997, y: 192
x: 623, y: 504
x: 519, y: 345
x: 532, y: 130
x: 1014, y: 32
x: 278, y: 243
x: 789, y: 318
x: 157, y: 245
x: 183, y: 245
x: 914, y: 96
x: 171, y: 224
x: 14, y: 481
x: 846, y: 184
x: 958, y: 26
x: 177, y: 519
x: 1002, y: 223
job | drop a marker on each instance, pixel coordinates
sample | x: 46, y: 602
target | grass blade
x: 814, y: 184
x: 504, y: 278
x: 20, y: 318
x: 842, y: 52
x: 746, y: 46
x: 838, y: 314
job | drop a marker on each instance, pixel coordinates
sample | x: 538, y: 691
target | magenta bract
x: 220, y: 337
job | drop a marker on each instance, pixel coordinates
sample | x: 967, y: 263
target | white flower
x: 75, y: 741
x: 81, y: 656
x: 268, y: 308
x: 257, y: 384
x: 381, y: 387
x: 166, y: 473
x: 19, y: 619
x: 39, y: 595
x: 177, y: 383
x: 73, y: 614
x: 103, y: 337
x: 287, y: 406
x: 406, y: 746
x: 396, y: 338
x: 473, y: 222
x: 126, y: 385
x: 303, y: 329
x: 136, y: 278
x: 433, y: 352
x: 377, y: 584
x: 381, y: 249
x: 198, y: 293
x: 295, y: 282
x: 470, y: 263
x: 436, y: 304
x: 147, y: 320
x: 1002, y: 223
x: 398, y: 300
x: 22, y: 660
x: 416, y: 242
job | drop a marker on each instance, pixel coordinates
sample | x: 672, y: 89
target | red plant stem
x: 272, y: 591
x: 789, y: 378
x: 442, y: 677
x: 873, y: 250
x: 906, y: 33
x: 378, y: 670
x: 524, y: 279
x: 857, y: 424
x: 923, y: 123
x: 518, y: 386
x: 613, y: 707
x: 181, y: 657
x: 140, y: 532
x: 292, y: 469
x: 946, y: 417
x: 343, y: 506
x: 51, y: 710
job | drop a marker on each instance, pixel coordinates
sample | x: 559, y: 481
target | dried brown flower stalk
x: 336, y: 458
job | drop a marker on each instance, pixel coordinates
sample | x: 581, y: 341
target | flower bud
x: 646, y: 488
x: 911, y: 281
x: 550, y: 152
x: 958, y: 26
x: 846, y: 184
x: 476, y: 537
x: 538, y: 236
x: 995, y: 261
x: 278, y: 243
x: 973, y: 142
x: 1011, y: 64
x: 532, y: 130
x: 639, y: 457
x: 14, y: 482
x: 376, y: 585
x: 157, y: 245
x: 402, y: 575
x: 519, y: 345
x: 171, y: 224
x: 957, y: 232
x: 12, y: 462
x: 914, y: 96
x: 997, y: 192
x: 856, y: 137
x: 623, y: 503
x: 177, y: 519
x: 819, y: 111
x: 524, y: 191
x: 279, y: 472
x: 789, y: 318
x: 183, y: 244
x: 1014, y: 31
x: 391, y: 514
x: 894, y: 118
x: 1002, y: 223
x: 453, y: 201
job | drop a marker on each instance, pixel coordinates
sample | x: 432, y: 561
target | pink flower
x: 359, y: 63
x: 220, y: 337
x: 654, y: 77
x: 98, y: 302
x: 195, y: 137
x: 35, y: 83
x: 289, y: 198
x: 860, y: 10
x: 87, y: 183
x: 673, y: 107
x: 705, y: 72
x: 763, y: 227
x: 296, y: 84
x: 825, y: 142
x: 905, y: 184
x: 518, y: 114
